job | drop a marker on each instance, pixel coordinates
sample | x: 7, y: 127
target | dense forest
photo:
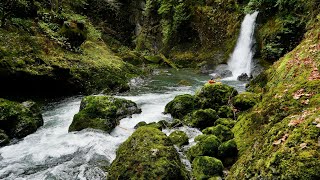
x: 57, y: 49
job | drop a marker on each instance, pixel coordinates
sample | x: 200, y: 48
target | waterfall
x: 240, y: 61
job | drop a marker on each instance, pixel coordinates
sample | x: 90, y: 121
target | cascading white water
x: 240, y: 61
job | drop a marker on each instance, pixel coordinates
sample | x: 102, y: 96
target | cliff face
x: 279, y: 137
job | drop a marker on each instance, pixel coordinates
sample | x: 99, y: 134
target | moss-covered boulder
x: 180, y: 106
x: 179, y: 138
x: 207, y: 146
x: 245, y: 100
x: 215, y: 95
x: 158, y: 125
x: 201, y: 118
x: 18, y: 120
x: 226, y: 122
x: 140, y: 124
x: 205, y: 167
x: 225, y: 112
x: 147, y: 154
x: 228, y: 152
x: 221, y: 131
x: 102, y: 112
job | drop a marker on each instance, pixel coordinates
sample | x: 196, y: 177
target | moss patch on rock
x: 180, y: 106
x: 179, y: 138
x: 228, y: 122
x: 201, y: 118
x: 245, y: 101
x: 221, y: 131
x: 207, y: 146
x: 215, y: 95
x: 147, y: 154
x: 102, y: 112
x: 205, y: 167
x: 18, y: 120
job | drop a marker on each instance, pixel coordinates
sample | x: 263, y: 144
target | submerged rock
x: 244, y: 77
x: 205, y: 167
x: 147, y: 154
x: 18, y: 120
x: 102, y: 112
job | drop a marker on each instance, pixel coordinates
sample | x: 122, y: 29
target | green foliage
x: 147, y: 154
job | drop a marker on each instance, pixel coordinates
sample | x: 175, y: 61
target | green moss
x: 215, y: 95
x: 180, y: 106
x: 221, y: 131
x: 228, y: 122
x: 19, y: 120
x: 228, y: 152
x: 179, y: 138
x: 207, y: 146
x: 205, y: 167
x: 225, y: 112
x: 102, y: 112
x: 245, y: 100
x: 147, y: 154
x: 201, y: 118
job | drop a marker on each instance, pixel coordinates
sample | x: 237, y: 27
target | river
x: 53, y: 153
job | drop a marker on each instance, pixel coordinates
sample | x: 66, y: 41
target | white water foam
x: 241, y: 59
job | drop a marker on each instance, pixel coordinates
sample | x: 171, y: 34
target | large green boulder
x: 215, y: 95
x: 179, y: 138
x: 180, y: 106
x: 228, y: 152
x: 147, y: 154
x: 18, y: 120
x: 221, y: 131
x: 207, y: 145
x: 102, y: 112
x: 205, y: 167
x: 245, y: 100
x: 201, y: 118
